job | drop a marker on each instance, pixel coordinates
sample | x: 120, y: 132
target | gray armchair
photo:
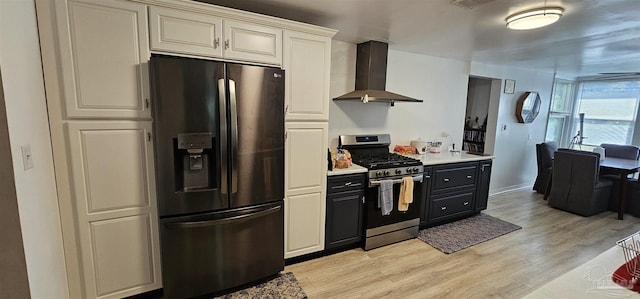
x: 633, y: 198
x: 621, y: 151
x: 544, y: 156
x: 576, y: 185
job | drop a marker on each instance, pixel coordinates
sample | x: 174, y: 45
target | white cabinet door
x: 104, y: 51
x: 182, y: 32
x: 114, y: 197
x: 250, y: 42
x: 305, y: 157
x: 305, y: 184
x: 307, y: 62
x: 304, y: 224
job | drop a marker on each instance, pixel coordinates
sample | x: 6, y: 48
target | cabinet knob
x: 466, y: 203
x: 226, y: 44
x: 443, y: 208
x: 363, y: 199
x: 446, y: 179
x: 347, y: 184
x: 469, y: 176
x: 216, y: 43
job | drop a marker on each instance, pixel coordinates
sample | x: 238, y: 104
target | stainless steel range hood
x: 371, y: 76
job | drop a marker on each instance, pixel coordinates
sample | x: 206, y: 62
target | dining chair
x: 633, y: 198
x: 622, y: 151
x: 544, y: 156
x: 576, y: 185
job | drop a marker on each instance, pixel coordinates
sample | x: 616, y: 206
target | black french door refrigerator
x: 219, y: 144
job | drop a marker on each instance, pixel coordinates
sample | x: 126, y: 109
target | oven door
x: 373, y: 215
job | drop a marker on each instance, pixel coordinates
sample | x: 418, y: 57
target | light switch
x: 27, y: 158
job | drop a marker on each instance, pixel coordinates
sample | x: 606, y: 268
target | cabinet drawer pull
x: 446, y: 179
x: 443, y: 208
x: 216, y: 43
x: 347, y: 184
x: 363, y: 199
x: 226, y: 44
x: 469, y: 176
x: 466, y: 203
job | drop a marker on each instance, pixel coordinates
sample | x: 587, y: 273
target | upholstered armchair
x: 633, y: 198
x: 621, y: 151
x: 544, y: 155
x: 576, y: 184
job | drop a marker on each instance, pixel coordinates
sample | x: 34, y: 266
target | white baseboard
x: 510, y: 188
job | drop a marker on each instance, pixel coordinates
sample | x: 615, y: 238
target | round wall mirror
x: 528, y: 107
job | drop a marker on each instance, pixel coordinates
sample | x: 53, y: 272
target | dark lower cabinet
x: 424, y: 210
x: 345, y: 210
x: 455, y: 191
x: 484, y: 178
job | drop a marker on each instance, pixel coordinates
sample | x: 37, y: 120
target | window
x: 559, y: 111
x: 610, y: 110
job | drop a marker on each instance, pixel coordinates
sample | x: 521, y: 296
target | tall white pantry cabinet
x: 95, y: 62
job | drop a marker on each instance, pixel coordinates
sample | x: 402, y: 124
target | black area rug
x: 467, y: 232
x: 285, y: 286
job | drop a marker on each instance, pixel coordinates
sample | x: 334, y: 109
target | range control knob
x: 398, y: 171
x: 386, y: 172
x: 378, y: 173
x: 415, y: 169
x: 409, y: 170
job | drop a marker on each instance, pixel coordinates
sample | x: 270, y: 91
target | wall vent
x: 469, y: 4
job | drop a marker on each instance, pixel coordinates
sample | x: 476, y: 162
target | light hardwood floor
x: 550, y: 243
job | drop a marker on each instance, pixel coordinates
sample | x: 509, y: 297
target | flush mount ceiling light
x: 534, y: 18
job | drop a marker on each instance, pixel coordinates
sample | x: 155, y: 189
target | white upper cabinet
x: 182, y: 32
x: 208, y: 35
x: 245, y: 41
x: 104, y: 51
x: 307, y: 63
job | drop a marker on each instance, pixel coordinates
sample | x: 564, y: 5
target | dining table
x: 623, y: 168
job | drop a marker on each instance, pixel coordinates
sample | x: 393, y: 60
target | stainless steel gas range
x: 372, y: 152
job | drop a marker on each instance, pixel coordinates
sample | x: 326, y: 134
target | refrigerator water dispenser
x: 195, y: 150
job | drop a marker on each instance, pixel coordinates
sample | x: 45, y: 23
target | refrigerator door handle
x: 245, y: 217
x: 222, y: 102
x: 234, y: 136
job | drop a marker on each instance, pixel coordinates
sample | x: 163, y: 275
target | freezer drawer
x: 211, y: 252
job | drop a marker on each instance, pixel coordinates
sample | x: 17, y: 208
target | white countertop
x: 426, y: 159
x: 589, y: 280
x: 448, y: 157
x: 351, y: 170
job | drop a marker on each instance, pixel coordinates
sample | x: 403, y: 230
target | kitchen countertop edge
x: 351, y: 170
x: 448, y: 157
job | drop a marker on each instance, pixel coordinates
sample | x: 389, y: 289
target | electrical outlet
x: 27, y: 158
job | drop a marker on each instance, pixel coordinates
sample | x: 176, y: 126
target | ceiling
x: 592, y: 37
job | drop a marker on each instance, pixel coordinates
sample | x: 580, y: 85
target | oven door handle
x: 417, y: 178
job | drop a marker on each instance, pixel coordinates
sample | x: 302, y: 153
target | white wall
x: 440, y: 83
x: 514, y: 147
x: 28, y: 124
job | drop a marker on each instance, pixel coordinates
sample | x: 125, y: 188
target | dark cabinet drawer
x: 452, y: 205
x: 454, y: 176
x: 344, y: 183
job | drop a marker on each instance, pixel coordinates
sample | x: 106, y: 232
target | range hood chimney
x: 371, y: 76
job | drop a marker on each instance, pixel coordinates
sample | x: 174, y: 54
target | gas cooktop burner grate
x: 384, y: 160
